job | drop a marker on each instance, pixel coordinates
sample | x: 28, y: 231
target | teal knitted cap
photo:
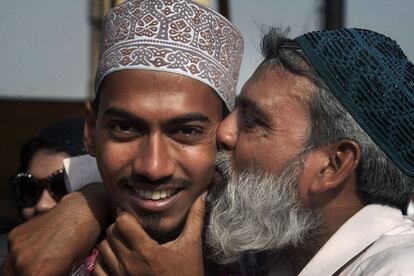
x: 373, y: 79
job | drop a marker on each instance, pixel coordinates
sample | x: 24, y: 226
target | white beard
x: 257, y: 211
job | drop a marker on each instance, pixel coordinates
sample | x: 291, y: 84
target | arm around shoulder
x: 50, y: 243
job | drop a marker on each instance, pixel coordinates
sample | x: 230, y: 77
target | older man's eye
x: 247, y: 121
x: 253, y: 125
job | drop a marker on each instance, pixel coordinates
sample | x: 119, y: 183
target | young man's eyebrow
x: 253, y: 108
x: 119, y: 112
x: 180, y: 119
x: 188, y: 117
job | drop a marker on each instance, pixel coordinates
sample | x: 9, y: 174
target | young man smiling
x: 154, y: 139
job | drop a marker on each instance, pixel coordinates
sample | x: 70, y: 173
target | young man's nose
x: 228, y: 132
x: 154, y: 159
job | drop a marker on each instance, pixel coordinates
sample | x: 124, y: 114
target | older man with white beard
x: 320, y: 159
x: 257, y: 211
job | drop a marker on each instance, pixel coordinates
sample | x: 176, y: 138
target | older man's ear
x: 327, y: 171
x: 340, y: 161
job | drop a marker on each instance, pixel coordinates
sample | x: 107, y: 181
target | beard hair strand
x: 257, y: 211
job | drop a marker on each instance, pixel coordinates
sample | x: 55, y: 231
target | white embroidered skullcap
x: 178, y: 36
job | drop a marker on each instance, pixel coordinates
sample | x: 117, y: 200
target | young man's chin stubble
x: 152, y: 225
x: 152, y: 222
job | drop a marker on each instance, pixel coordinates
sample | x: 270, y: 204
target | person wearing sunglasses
x: 39, y: 183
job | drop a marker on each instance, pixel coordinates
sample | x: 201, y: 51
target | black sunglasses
x: 29, y: 188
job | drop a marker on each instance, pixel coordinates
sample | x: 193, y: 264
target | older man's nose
x: 228, y: 132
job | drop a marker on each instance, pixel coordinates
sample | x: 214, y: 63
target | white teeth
x: 155, y: 195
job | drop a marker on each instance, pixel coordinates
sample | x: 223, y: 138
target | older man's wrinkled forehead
x: 181, y: 37
x: 280, y: 82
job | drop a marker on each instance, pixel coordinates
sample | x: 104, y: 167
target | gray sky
x: 44, y: 45
x: 393, y: 18
x: 44, y: 49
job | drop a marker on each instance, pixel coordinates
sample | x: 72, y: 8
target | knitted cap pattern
x: 373, y: 79
x: 177, y: 36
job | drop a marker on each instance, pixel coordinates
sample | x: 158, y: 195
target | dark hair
x: 95, y: 103
x: 379, y: 179
x: 64, y: 136
x: 31, y: 147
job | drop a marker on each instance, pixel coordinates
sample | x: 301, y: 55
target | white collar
x: 410, y: 210
x: 356, y: 234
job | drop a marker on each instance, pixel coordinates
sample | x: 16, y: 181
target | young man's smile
x: 154, y: 197
x: 154, y: 138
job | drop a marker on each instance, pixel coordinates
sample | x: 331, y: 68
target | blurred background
x: 49, y: 50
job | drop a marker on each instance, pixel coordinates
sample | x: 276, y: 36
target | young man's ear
x: 89, y: 132
x: 339, y: 161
